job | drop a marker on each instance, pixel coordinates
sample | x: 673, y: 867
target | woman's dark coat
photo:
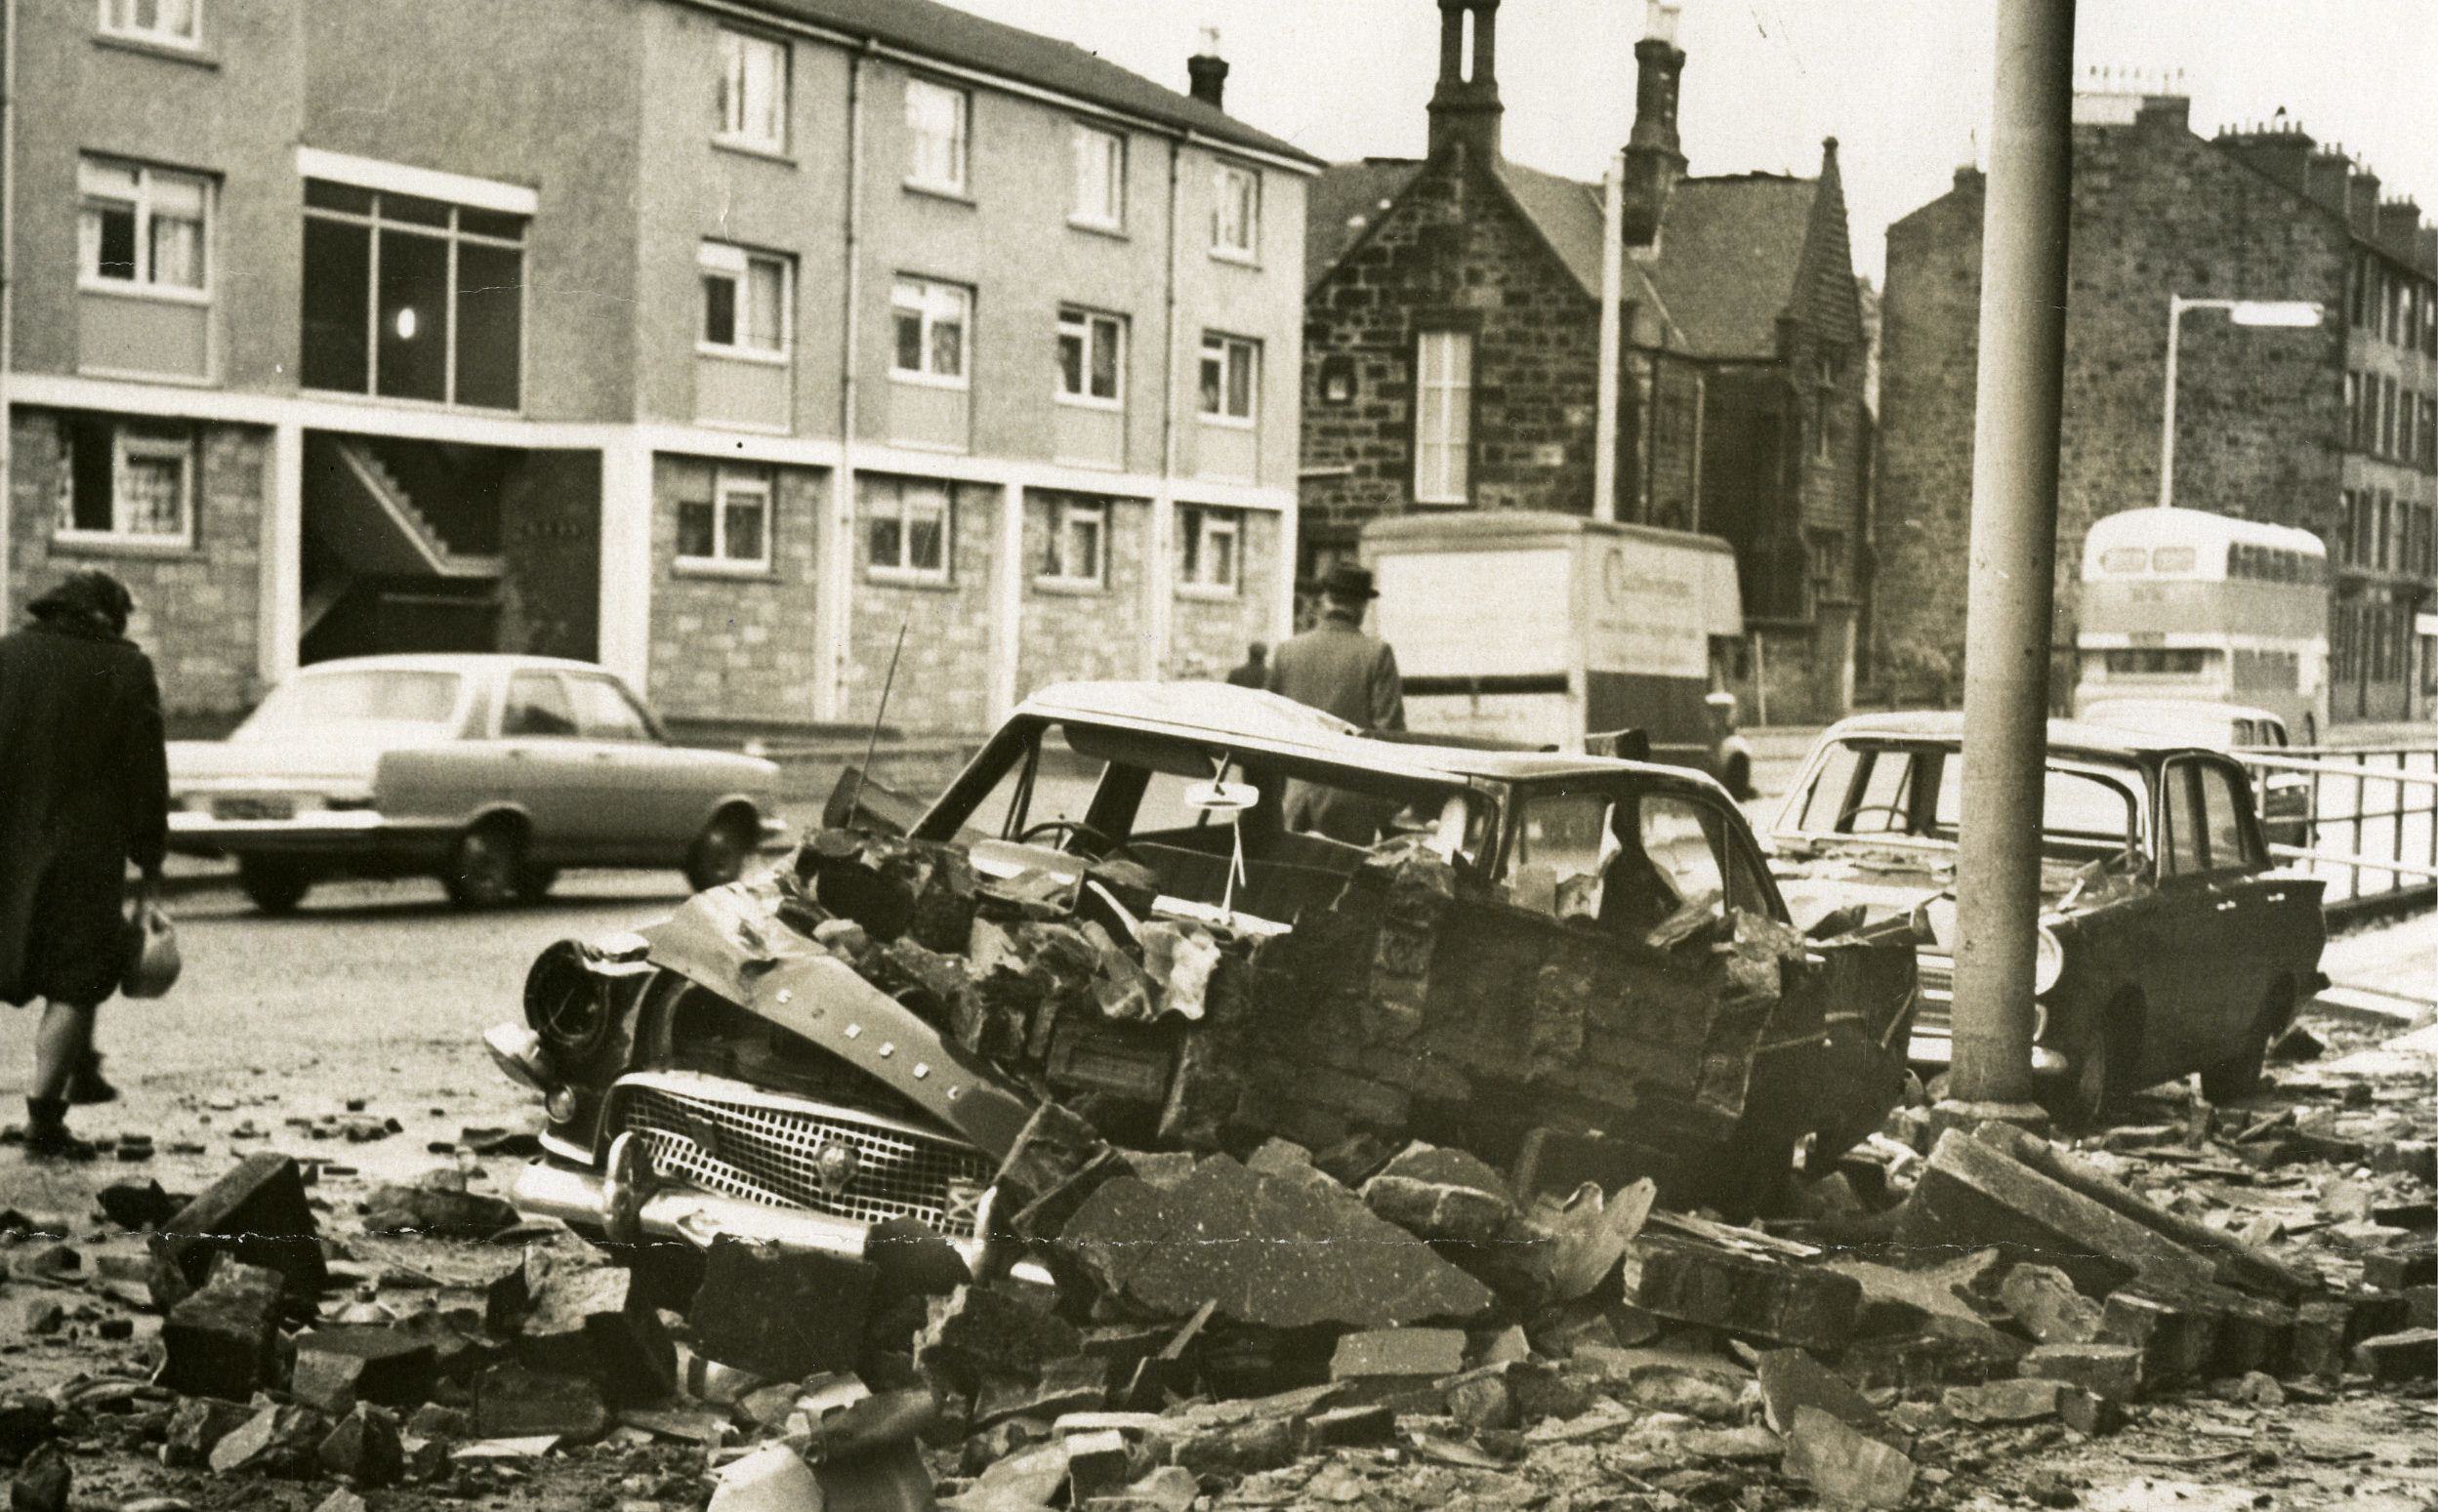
x: 83, y: 788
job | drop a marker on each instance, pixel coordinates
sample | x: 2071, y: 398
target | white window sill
x: 1084, y: 401
x: 1456, y: 503
x: 928, y: 379
x: 134, y: 375
x: 761, y: 355
x: 1070, y: 588
x: 1236, y: 255
x: 1115, y: 230
x: 399, y: 401
x: 110, y: 543
x: 129, y: 289
x: 909, y: 577
x: 1209, y: 593
x: 1230, y: 422
x: 754, y: 146
x: 167, y: 49
x: 954, y: 193
x: 1088, y: 464
x: 721, y: 567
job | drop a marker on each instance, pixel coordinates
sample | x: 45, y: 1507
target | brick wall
x: 1068, y: 632
x: 196, y: 610
x: 730, y: 647
x: 944, y: 680
x: 2156, y: 211
x: 1454, y: 254
x: 1207, y: 635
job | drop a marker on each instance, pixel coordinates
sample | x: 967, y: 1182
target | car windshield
x: 1873, y: 790
x: 315, y: 703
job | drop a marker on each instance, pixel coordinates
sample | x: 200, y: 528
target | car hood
x: 1815, y: 876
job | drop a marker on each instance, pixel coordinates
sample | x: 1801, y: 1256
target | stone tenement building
x: 710, y: 339
x: 2335, y: 431
x: 1451, y: 355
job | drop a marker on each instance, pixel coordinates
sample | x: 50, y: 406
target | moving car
x: 2168, y: 943
x: 2284, y: 797
x: 489, y: 772
x: 1505, y: 949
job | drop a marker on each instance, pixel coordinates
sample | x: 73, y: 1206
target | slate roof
x: 952, y: 36
x: 1342, y: 192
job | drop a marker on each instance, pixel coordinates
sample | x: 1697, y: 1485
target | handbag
x: 153, y: 963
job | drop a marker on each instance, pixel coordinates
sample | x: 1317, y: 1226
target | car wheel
x: 718, y: 855
x: 2101, y: 1073
x: 273, y: 886
x: 534, y: 883
x: 489, y: 862
x: 2239, y: 1073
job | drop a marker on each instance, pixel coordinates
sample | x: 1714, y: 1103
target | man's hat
x: 1345, y: 580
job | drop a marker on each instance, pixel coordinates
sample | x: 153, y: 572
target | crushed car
x: 2169, y: 942
x: 1202, y: 918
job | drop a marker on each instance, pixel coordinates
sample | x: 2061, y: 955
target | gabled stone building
x: 1451, y: 356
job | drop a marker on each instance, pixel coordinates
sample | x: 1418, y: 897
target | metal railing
x: 2374, y: 821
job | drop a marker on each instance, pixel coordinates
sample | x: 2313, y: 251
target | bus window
x: 2172, y: 558
x: 2125, y: 559
x: 2153, y: 661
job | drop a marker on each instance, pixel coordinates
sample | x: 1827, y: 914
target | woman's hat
x: 87, y: 594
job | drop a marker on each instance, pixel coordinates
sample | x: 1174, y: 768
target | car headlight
x: 2048, y: 962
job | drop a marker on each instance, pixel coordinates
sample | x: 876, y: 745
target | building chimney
x: 2425, y: 246
x: 2282, y: 153
x: 2165, y: 113
x: 1654, y: 155
x: 2324, y: 179
x: 1465, y: 107
x: 1208, y: 71
x: 2399, y: 223
x: 2362, y: 203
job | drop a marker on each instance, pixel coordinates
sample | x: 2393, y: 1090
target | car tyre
x: 2239, y: 1074
x: 718, y: 855
x: 2102, y: 1071
x: 534, y: 883
x: 273, y: 886
x: 487, y: 868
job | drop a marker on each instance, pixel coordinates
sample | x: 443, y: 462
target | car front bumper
x: 1937, y: 1047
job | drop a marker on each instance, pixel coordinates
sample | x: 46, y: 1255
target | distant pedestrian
x: 1256, y: 668
x: 83, y: 788
x: 1731, y: 755
x: 1335, y: 667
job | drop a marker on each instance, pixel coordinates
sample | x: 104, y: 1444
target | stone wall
x: 943, y: 678
x: 1208, y: 632
x: 549, y: 505
x: 729, y: 648
x: 2156, y: 211
x: 197, y: 607
x: 1070, y: 631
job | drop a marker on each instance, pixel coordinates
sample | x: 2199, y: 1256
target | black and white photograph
x: 1218, y: 755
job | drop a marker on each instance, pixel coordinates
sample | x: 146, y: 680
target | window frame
x: 1223, y: 175
x: 726, y: 483
x: 126, y: 441
x: 905, y: 492
x: 1443, y: 417
x: 735, y: 263
x: 110, y: 26
x: 732, y: 98
x: 144, y: 285
x: 1230, y: 348
x: 1065, y: 511
x: 956, y: 185
x: 923, y: 305
x: 453, y: 236
x: 1196, y: 524
x: 1084, y: 324
x: 1110, y: 217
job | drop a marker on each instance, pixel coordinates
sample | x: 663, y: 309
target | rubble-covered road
x: 2252, y: 1343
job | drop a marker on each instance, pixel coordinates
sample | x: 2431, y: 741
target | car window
x: 1680, y: 844
x: 603, y: 711
x: 2075, y: 805
x: 1884, y: 804
x: 537, y: 705
x: 1828, y: 791
x: 317, y: 700
x: 2230, y: 841
x: 2179, y: 822
x: 1047, y: 780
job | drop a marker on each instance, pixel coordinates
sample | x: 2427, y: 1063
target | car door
x: 2243, y: 906
x: 549, y: 770
x: 2200, y: 940
x: 651, y: 797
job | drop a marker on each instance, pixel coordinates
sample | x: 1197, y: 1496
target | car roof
x: 2180, y: 707
x: 1254, y: 719
x: 2066, y: 737
x: 471, y: 663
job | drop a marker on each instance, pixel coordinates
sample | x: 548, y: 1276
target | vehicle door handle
x: 2226, y: 905
x: 605, y: 755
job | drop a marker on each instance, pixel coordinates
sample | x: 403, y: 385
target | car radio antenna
x: 872, y: 742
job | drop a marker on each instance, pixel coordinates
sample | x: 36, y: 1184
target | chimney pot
x: 1208, y: 72
x: 1465, y: 106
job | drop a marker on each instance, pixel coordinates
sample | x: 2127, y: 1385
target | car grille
x: 767, y: 1155
x: 254, y: 808
x: 1937, y: 977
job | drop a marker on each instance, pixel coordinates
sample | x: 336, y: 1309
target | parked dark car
x: 2169, y: 943
x: 2235, y: 728
x: 1459, y: 945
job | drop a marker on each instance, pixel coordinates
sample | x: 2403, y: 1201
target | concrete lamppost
x: 2293, y: 314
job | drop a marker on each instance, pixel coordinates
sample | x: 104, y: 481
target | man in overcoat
x: 83, y: 788
x: 1335, y: 667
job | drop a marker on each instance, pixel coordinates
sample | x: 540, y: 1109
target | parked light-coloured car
x: 489, y: 772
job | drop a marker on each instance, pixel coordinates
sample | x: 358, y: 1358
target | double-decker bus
x: 2183, y: 603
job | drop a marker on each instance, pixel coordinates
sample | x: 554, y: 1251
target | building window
x: 2407, y: 421
x: 1443, y: 425
x: 1078, y: 546
x: 176, y: 23
x: 745, y: 302
x: 2387, y: 417
x: 908, y: 523
x: 1231, y: 379
x: 729, y: 531
x: 1091, y: 358
x: 412, y: 298
x: 753, y: 91
x: 2428, y: 454
x: 126, y: 482
x: 142, y: 229
x: 2380, y: 527
x: 930, y: 320
x: 1236, y: 217
x: 935, y: 118
x: 1207, y: 547
x: 1100, y: 179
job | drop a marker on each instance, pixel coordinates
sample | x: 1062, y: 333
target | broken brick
x: 2409, y: 1356
x: 1097, y: 1464
x: 1481, y: 1399
x: 275, y: 1438
x: 2023, y: 1399
x: 219, y: 1340
x: 257, y: 1211
x: 2393, y: 1270
x: 1971, y: 1195
x: 1077, y: 1384
x: 2043, y: 1299
x: 397, y: 1368
x: 1695, y: 1281
x: 1792, y: 1381
x: 2318, y: 1340
x: 782, y: 1314
x: 512, y: 1402
x: 1440, y: 1194
x: 1348, y: 1427
x: 325, y: 1381
x: 1845, y: 1466
x: 2176, y: 1340
x: 196, y: 1424
x: 2110, y: 1370
x: 1405, y: 1356
x: 980, y: 1330
x: 364, y: 1448
x: 135, y: 1205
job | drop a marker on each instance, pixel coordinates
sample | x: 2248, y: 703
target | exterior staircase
x: 368, y: 519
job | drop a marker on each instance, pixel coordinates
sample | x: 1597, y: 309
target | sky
x: 1904, y: 85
